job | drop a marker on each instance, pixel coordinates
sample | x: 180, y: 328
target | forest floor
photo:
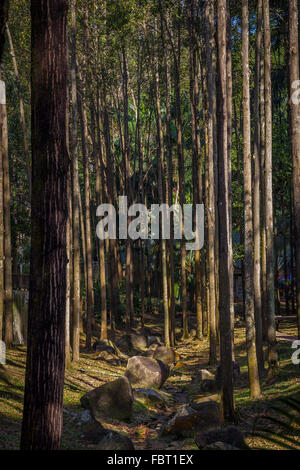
x: 143, y: 428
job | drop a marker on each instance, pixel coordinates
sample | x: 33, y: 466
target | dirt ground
x: 143, y: 428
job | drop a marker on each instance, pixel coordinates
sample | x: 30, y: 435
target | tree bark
x: 273, y: 357
x: 42, y: 417
x: 295, y: 137
x: 256, y: 196
x: 8, y: 300
x: 249, y: 285
x: 227, y: 400
x: 211, y: 123
x: 75, y: 194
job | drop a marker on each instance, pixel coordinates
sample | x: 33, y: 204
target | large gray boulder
x: 189, y: 418
x: 167, y: 355
x: 146, y: 372
x: 113, y: 400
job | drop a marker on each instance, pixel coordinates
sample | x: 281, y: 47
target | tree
x: 42, y: 418
x: 227, y: 400
x: 256, y: 193
x: 249, y: 298
x: 295, y: 134
x: 211, y: 156
x: 273, y: 358
x: 75, y: 193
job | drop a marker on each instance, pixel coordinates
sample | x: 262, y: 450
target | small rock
x: 154, y: 340
x: 146, y: 372
x: 136, y: 341
x: 103, y: 345
x: 145, y: 331
x: 230, y: 435
x: 109, y: 357
x: 148, y: 395
x: 113, y: 399
x: 208, y: 386
x: 112, y: 440
x: 188, y: 418
x: 204, y: 374
x: 167, y: 355
x: 219, y: 446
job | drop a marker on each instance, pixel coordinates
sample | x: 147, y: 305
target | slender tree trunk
x: 75, y: 195
x: 8, y: 300
x: 227, y: 400
x: 163, y: 243
x: 256, y: 196
x: 43, y: 401
x: 2, y: 289
x: 249, y: 287
x: 273, y: 357
x: 196, y: 165
x: 295, y: 136
x: 229, y: 145
x: 21, y: 103
x: 211, y: 122
x: 263, y: 198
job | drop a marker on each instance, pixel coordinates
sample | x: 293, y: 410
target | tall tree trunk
x: 273, y: 357
x: 2, y: 289
x: 211, y: 123
x: 229, y: 146
x: 42, y: 417
x: 256, y: 196
x: 163, y: 243
x: 75, y: 195
x: 227, y: 400
x: 249, y: 287
x: 21, y: 103
x: 129, y: 260
x: 8, y: 300
x: 295, y: 136
x: 196, y: 165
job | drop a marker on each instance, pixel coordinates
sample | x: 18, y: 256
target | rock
x: 136, y: 341
x: 189, y: 418
x: 113, y: 399
x: 146, y: 372
x: 149, y: 353
x: 202, y: 399
x: 219, y: 446
x: 106, y: 439
x: 145, y: 331
x: 230, y: 435
x: 93, y: 431
x: 112, y: 440
x: 236, y: 373
x: 84, y: 418
x: 166, y: 355
x: 148, y: 395
x: 102, y: 345
x: 154, y: 340
x: 204, y: 374
x: 109, y: 357
x: 208, y: 386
